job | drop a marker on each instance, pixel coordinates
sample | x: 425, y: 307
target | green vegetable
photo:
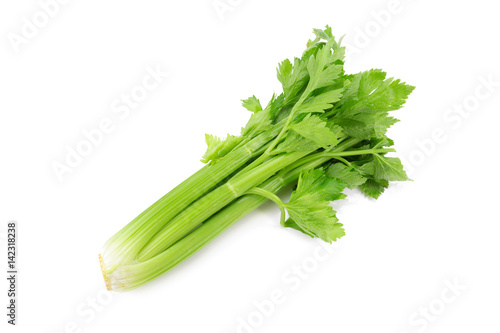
x: 325, y: 131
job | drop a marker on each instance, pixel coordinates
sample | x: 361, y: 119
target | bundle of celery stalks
x: 325, y: 132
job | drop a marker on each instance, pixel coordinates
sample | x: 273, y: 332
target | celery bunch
x: 325, y: 131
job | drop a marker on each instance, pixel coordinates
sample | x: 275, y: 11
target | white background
x: 399, y: 251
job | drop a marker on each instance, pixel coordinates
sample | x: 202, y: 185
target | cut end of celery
x: 104, y: 275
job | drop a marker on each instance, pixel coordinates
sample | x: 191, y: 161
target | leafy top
x: 309, y: 208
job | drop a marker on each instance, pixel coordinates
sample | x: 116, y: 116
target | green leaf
x: 284, y: 70
x: 366, y: 102
x: 252, y: 104
x: 320, y: 103
x: 322, y: 67
x: 355, y: 128
x: 382, y: 124
x: 293, y: 78
x: 261, y: 120
x: 318, y: 184
x: 314, y: 129
x: 374, y: 188
x: 309, y: 208
x: 276, y: 105
x: 324, y: 225
x: 367, y: 125
x: 217, y: 147
x: 381, y: 142
x: 324, y: 34
x: 346, y: 174
x: 295, y: 142
x: 290, y: 223
x: 329, y: 76
x: 386, y: 168
x: 308, y: 135
x: 372, y: 92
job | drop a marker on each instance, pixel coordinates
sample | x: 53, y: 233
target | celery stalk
x: 326, y: 130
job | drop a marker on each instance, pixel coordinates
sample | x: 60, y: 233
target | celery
x: 326, y: 130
